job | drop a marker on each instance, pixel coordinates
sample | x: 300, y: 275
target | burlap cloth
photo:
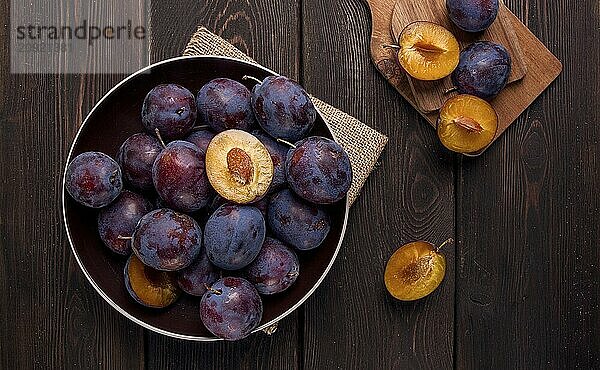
x: 362, y: 143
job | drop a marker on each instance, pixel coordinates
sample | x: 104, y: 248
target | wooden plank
x: 351, y: 322
x: 52, y: 317
x: 528, y: 272
x: 267, y: 32
x: 259, y: 351
x: 431, y: 95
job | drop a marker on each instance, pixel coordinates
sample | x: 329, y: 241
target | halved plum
x: 149, y: 287
x: 239, y: 167
x: 467, y: 124
x: 414, y: 271
x: 427, y: 51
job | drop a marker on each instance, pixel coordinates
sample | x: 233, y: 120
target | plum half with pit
x: 179, y: 177
x: 225, y: 104
x: 239, y: 167
x: 231, y: 309
x: 297, y: 222
x: 233, y: 236
x: 275, y: 268
x: 467, y: 124
x: 93, y: 179
x: 427, y: 51
x: 472, y: 15
x: 136, y: 157
x: 117, y: 221
x: 196, y: 277
x: 167, y: 240
x: 483, y: 69
x: 318, y: 169
x: 283, y: 109
x: 171, y: 109
x: 415, y: 270
x: 149, y: 287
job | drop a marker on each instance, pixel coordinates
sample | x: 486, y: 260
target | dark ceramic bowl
x: 117, y: 116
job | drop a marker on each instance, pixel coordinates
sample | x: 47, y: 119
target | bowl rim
x: 112, y: 303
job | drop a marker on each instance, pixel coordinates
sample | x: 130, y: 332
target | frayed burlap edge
x: 363, y: 144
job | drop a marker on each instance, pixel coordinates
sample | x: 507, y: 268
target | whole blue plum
x: 472, y: 15
x: 93, y: 179
x: 167, y: 240
x: 262, y: 205
x: 278, y: 154
x: 201, y: 138
x: 233, y: 236
x: 117, y: 221
x: 217, y: 202
x: 225, y: 104
x: 275, y: 268
x: 319, y: 170
x: 283, y: 109
x: 136, y: 157
x: 196, y: 277
x: 297, y: 222
x: 171, y: 109
x: 231, y: 309
x: 179, y: 177
x: 483, y: 69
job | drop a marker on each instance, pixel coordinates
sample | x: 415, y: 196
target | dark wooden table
x: 522, y: 287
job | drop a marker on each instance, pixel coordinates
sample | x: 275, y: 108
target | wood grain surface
x: 523, y: 278
x: 353, y: 314
x: 431, y: 95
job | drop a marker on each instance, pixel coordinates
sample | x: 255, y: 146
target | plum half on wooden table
x: 467, y: 124
x: 415, y: 270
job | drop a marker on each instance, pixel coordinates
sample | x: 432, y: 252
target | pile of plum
x: 222, y: 190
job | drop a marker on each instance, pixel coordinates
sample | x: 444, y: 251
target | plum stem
x: 390, y: 46
x: 160, y: 138
x: 201, y: 127
x: 246, y: 77
x: 449, y: 241
x: 121, y: 237
x: 215, y: 291
x: 286, y: 143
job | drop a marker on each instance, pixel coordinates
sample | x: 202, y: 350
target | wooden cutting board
x: 542, y: 67
x: 431, y: 95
